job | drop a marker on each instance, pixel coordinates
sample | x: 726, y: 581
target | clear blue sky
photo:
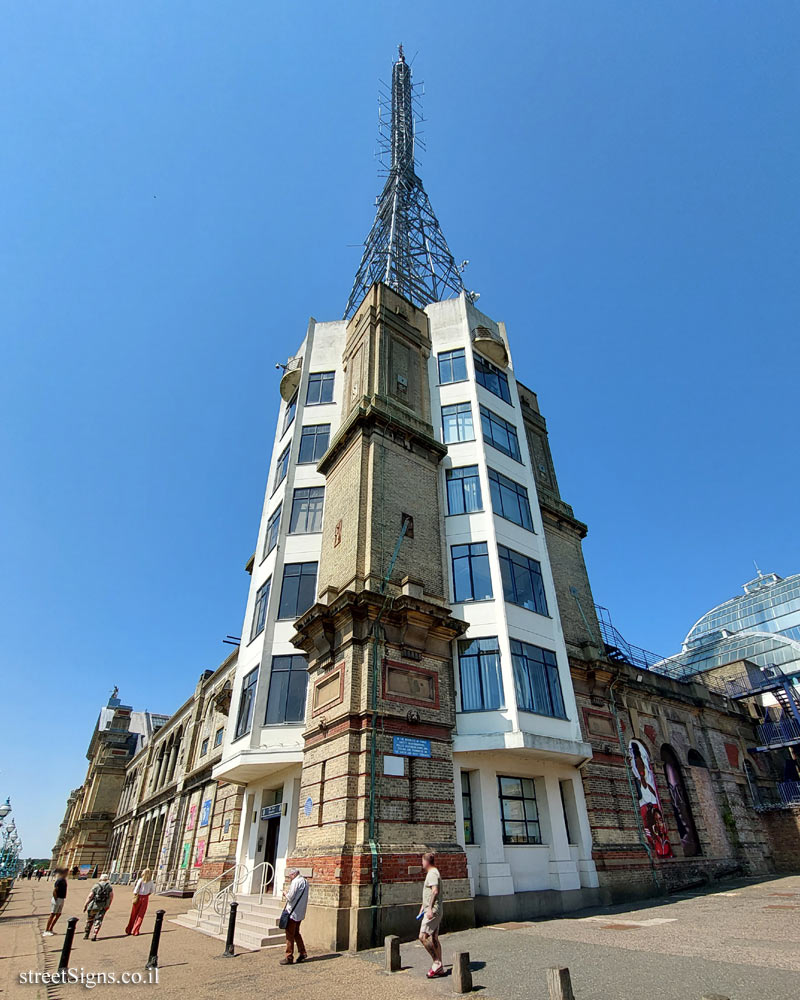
x: 183, y: 184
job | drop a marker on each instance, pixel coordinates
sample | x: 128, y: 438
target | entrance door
x: 271, y: 845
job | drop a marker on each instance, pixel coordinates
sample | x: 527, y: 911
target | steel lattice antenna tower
x: 405, y: 248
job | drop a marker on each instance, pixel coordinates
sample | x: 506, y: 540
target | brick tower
x: 377, y: 778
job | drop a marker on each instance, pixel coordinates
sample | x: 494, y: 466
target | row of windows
x: 286, y: 699
x: 319, y: 390
x: 521, y: 576
x: 298, y: 593
x: 519, y: 812
x: 457, y: 426
x: 509, y: 498
x: 536, y: 681
x: 453, y: 368
x: 305, y: 517
x: 313, y: 445
x: 217, y: 741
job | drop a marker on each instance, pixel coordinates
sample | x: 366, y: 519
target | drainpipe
x: 634, y: 797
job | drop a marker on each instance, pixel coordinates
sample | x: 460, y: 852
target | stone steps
x: 256, y: 923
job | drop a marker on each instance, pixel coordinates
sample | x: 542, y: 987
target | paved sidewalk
x: 189, y: 962
x: 741, y: 940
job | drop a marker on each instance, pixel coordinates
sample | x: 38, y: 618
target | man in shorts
x: 431, y: 914
x: 57, y: 904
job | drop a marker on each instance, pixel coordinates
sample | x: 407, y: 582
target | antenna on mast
x: 405, y: 248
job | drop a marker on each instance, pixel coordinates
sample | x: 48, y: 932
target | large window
x: 288, y: 416
x: 492, y: 378
x: 471, y: 578
x: 466, y: 808
x: 281, y: 468
x: 457, y: 423
x: 320, y: 388
x: 522, y: 580
x: 260, y: 610
x: 479, y: 674
x: 244, y: 716
x: 273, y: 527
x: 307, y: 510
x: 510, y: 500
x: 299, y: 589
x: 452, y: 367
x: 463, y: 490
x: 500, y: 434
x: 536, y: 680
x: 314, y: 443
x: 286, y: 701
x: 518, y: 811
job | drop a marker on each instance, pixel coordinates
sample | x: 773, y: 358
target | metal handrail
x: 202, y: 897
x: 779, y: 732
x: 221, y: 899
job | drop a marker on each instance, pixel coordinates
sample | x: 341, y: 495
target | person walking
x: 142, y: 891
x: 57, y: 904
x: 296, y: 897
x: 431, y: 914
x: 96, y: 906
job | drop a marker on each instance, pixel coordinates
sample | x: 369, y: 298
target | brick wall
x: 783, y: 830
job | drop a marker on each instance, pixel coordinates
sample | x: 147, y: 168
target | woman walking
x: 97, y: 903
x: 141, y: 896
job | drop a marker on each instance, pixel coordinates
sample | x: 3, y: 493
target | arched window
x: 681, y: 809
x: 695, y: 759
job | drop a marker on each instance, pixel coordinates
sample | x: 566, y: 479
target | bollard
x: 63, y: 962
x: 391, y: 945
x: 152, y: 961
x: 229, y: 949
x: 462, y: 973
x: 559, y: 983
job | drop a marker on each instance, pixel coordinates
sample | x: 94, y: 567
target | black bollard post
x: 229, y: 950
x: 152, y: 961
x: 63, y: 962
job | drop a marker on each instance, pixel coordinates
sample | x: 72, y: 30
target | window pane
x: 307, y: 591
x: 455, y: 496
x: 289, y: 591
x: 515, y: 833
x: 320, y: 388
x: 513, y: 809
x: 296, y: 696
x: 481, y: 577
x: 472, y: 492
x: 276, y: 702
x: 492, y: 681
x: 510, y: 786
x: 462, y: 581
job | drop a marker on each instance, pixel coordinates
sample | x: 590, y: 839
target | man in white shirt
x: 296, y: 902
x: 431, y: 914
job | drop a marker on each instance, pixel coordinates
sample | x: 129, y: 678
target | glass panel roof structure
x: 762, y: 626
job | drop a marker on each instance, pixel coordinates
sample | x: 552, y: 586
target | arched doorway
x: 681, y: 809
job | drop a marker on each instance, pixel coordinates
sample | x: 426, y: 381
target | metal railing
x: 789, y: 792
x: 779, y: 732
x: 216, y: 896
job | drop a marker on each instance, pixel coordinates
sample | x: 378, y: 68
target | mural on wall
x: 655, y: 829
x: 187, y: 850
x: 681, y: 809
x: 200, y: 853
x: 205, y: 815
x: 190, y: 820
